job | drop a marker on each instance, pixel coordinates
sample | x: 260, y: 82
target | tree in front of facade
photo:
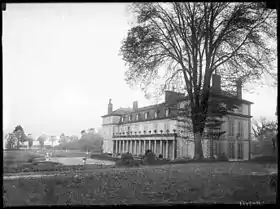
x: 218, y: 108
x: 187, y: 42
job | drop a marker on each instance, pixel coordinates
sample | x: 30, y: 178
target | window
x: 137, y: 116
x: 167, y: 112
x: 129, y: 117
x: 156, y: 113
x: 123, y: 119
x: 239, y: 110
x: 146, y: 115
x: 240, y: 129
x: 231, y: 127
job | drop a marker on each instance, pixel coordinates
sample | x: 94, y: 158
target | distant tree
x: 264, y: 128
x: 29, y: 138
x: 11, y: 141
x: 18, y: 128
x: 20, y: 135
x: 91, y: 130
x: 83, y: 132
x: 187, y: 42
x: 88, y: 142
x: 30, y: 143
x: 74, y: 138
x: 53, y: 139
x: 42, y: 140
x: 62, y: 138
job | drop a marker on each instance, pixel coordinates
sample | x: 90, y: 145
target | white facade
x: 136, y: 135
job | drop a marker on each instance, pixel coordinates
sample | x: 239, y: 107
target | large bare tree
x: 190, y: 41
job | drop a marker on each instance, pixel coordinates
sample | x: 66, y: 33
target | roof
x: 158, y: 111
x: 228, y: 94
x: 222, y: 94
x: 120, y: 111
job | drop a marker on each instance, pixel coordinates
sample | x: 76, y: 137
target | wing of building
x: 155, y: 127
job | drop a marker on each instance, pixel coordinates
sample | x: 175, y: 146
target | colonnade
x: 138, y: 147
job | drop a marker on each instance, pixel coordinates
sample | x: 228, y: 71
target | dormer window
x: 137, y: 116
x: 146, y: 115
x: 167, y: 111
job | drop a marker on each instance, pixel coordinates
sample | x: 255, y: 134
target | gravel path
x: 79, y: 161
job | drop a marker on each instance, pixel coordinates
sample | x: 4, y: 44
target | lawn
x: 196, y: 182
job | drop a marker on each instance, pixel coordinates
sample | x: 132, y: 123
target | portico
x: 137, y: 145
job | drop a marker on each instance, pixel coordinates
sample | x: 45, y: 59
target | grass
x: 100, y: 156
x: 265, y: 159
x: 207, y: 183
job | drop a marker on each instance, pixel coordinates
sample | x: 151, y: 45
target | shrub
x: 150, y: 158
x: 31, y: 158
x: 181, y: 160
x: 222, y: 157
x: 273, y: 181
x: 127, y: 160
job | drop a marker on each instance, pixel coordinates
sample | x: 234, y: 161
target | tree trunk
x: 198, y: 152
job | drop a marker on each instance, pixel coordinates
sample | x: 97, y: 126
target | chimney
x: 135, y: 105
x: 239, y: 88
x: 168, y: 95
x: 110, y: 107
x: 216, y: 83
x: 172, y: 97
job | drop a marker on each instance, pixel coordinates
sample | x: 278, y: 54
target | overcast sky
x: 61, y: 66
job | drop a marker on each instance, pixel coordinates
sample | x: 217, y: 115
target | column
x: 126, y: 146
x: 118, y: 146
x: 139, y: 147
x: 130, y: 146
x: 149, y: 144
x: 135, y: 151
x: 173, y: 148
x: 122, y: 146
x: 236, y: 150
x: 144, y: 150
x: 114, y: 147
x: 160, y: 147
x: 136, y: 147
x: 166, y: 149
